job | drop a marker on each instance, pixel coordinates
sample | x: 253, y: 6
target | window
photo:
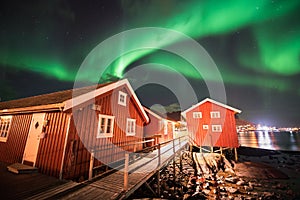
x: 105, y: 126
x: 130, y: 127
x: 122, y: 98
x: 216, y: 128
x: 165, y: 127
x: 205, y: 127
x: 197, y: 115
x: 5, y: 122
x: 215, y: 114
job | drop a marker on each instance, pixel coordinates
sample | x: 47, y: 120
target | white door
x: 33, y: 140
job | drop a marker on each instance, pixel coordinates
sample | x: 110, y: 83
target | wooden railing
x: 133, y: 144
x: 176, y: 144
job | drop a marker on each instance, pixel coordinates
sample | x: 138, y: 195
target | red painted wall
x: 83, y: 137
x: 227, y: 138
x: 156, y: 127
x: 51, y: 147
x: 13, y: 149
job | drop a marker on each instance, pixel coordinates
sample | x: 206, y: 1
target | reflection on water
x: 270, y: 140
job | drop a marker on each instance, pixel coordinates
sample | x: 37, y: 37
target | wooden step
x: 19, y: 168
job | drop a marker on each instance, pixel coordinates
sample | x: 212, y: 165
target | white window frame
x: 106, y: 118
x: 197, y: 115
x: 5, y: 124
x: 122, y: 98
x: 216, y: 128
x: 215, y: 114
x: 130, y: 127
x: 205, y: 127
x: 165, y: 127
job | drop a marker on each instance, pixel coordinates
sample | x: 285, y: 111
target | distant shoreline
x: 256, y: 151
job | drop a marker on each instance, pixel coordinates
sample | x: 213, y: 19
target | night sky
x: 255, y: 45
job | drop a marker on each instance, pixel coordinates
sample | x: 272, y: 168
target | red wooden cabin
x: 56, y: 132
x: 212, y: 123
x: 158, y: 128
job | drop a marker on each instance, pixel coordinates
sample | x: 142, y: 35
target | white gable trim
x: 212, y: 101
x: 157, y: 116
x: 97, y: 92
x: 153, y: 113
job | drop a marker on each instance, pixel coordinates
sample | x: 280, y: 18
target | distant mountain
x: 242, y: 122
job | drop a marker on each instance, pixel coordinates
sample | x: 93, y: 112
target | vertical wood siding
x: 227, y: 138
x: 83, y: 134
x: 52, y: 146
x: 13, y: 149
x: 155, y: 127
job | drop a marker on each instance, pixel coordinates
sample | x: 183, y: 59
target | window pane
x: 132, y: 127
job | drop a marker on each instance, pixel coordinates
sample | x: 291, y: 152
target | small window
x: 130, y: 127
x: 105, y: 126
x: 205, y: 127
x: 215, y: 114
x: 165, y: 127
x: 216, y: 128
x: 5, y: 122
x: 197, y: 115
x: 122, y: 98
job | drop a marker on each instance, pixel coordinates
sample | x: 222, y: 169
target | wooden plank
x: 111, y: 186
x: 54, y: 191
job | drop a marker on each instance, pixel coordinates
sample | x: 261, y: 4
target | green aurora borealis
x: 255, y: 44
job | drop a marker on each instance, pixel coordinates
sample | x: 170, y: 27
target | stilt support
x: 158, y: 183
x: 235, y: 154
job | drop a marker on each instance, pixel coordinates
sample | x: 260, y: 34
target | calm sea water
x: 269, y: 140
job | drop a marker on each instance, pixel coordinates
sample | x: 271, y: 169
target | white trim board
x: 212, y: 101
x: 97, y: 92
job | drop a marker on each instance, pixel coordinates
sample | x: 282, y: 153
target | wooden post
x: 158, y: 183
x: 221, y: 150
x: 180, y: 160
x: 158, y: 173
x: 235, y: 154
x: 200, y: 149
x: 211, y: 149
x: 158, y: 152
x: 134, y: 150
x: 126, y: 172
x: 91, y: 165
x: 174, y: 147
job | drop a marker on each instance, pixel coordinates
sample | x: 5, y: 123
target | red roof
x: 46, y: 99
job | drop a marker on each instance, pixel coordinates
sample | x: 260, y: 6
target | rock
x: 198, y: 196
x: 290, y: 192
x: 280, y: 186
x: 237, y: 198
x: 255, y: 184
x: 186, y: 196
x: 255, y: 194
x: 231, y: 179
x: 222, y: 189
x: 229, y: 170
x: 240, y: 182
x: 248, y: 188
x: 206, y: 185
x: 231, y: 190
x: 269, y: 195
x: 205, y: 191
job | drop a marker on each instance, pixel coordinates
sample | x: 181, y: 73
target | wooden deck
x: 22, y: 186
x: 112, y: 186
x: 109, y: 186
